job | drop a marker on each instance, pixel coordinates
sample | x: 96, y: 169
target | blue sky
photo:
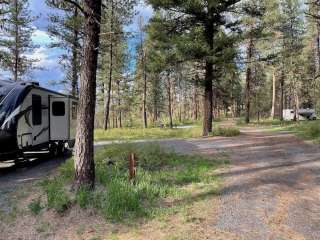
x: 48, y: 58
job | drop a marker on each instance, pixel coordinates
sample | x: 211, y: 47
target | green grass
x: 127, y: 134
x: 35, y: 206
x: 265, y: 123
x: 149, y: 133
x: 161, y: 176
x: 308, y: 130
x: 226, y: 132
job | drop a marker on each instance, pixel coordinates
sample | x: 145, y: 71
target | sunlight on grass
x: 165, y: 181
x: 149, y: 133
x: 265, y: 123
x: 309, y: 130
x: 160, y: 133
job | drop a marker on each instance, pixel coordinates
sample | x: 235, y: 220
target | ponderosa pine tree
x: 84, y: 151
x: 206, y: 18
x: 3, y: 11
x: 253, y: 26
x: 116, y: 14
x: 3, y: 17
x: 67, y: 27
x: 143, y: 58
x: 292, y: 30
x: 16, y: 42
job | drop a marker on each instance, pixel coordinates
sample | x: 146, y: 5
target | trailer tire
x: 53, y: 149
x: 61, y: 148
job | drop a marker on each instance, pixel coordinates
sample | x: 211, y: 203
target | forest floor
x: 271, y: 190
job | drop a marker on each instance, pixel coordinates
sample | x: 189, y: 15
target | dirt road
x: 271, y: 190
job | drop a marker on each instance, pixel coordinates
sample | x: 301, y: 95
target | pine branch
x: 77, y: 5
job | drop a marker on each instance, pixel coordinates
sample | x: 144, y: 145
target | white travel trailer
x: 34, y: 119
x: 303, y: 114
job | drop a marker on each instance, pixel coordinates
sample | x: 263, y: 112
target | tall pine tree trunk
x: 208, y: 100
x: 16, y: 46
x: 274, y: 93
x: 84, y: 161
x: 155, y: 102
x: 318, y: 48
x: 144, y: 104
x: 108, y: 97
x: 75, y: 57
x: 169, y: 100
x: 249, y: 79
x: 195, y: 99
x: 208, y: 91
x: 281, y: 96
x: 119, y: 104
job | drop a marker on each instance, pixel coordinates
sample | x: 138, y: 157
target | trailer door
x: 59, y: 118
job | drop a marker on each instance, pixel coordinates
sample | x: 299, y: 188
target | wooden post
x: 132, y: 167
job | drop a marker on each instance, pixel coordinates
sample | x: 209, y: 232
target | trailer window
x: 58, y: 109
x: 36, y: 110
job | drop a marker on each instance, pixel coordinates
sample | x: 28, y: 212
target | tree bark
x: 195, y: 99
x: 208, y: 91
x: 169, y: 100
x: 75, y: 57
x: 108, y: 97
x: 281, y: 96
x: 119, y: 104
x: 274, y: 92
x: 249, y: 79
x: 84, y: 161
x: 16, y: 47
x: 144, y: 105
x: 208, y: 100
x: 318, y: 47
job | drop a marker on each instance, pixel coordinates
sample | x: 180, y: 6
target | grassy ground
x: 168, y: 200
x: 308, y: 130
x: 160, y: 176
x: 159, y: 133
x: 149, y: 133
x: 265, y: 123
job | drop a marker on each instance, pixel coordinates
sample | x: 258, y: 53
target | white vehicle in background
x: 303, y: 114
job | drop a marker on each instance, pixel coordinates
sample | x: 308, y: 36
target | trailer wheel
x: 53, y: 149
x: 61, y: 148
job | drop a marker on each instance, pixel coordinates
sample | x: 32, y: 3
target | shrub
x: 226, y: 132
x: 35, y: 206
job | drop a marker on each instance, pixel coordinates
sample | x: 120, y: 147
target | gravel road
x: 271, y: 190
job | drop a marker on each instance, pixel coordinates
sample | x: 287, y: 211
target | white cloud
x: 41, y: 37
x: 143, y: 10
x: 44, y: 58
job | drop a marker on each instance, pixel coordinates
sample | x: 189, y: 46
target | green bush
x: 226, y: 132
x: 35, y: 206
